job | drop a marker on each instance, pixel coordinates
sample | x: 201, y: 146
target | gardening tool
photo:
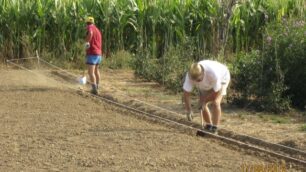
x: 202, y: 120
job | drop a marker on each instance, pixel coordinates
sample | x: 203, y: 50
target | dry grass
x: 264, y: 167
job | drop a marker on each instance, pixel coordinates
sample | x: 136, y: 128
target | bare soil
x: 46, y: 126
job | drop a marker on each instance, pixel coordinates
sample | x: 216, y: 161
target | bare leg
x: 205, y: 110
x: 206, y: 113
x: 91, y: 74
x: 216, y: 110
x: 97, y: 74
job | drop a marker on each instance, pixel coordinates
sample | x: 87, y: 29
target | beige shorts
x: 223, y: 90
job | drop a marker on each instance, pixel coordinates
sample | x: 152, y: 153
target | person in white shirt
x: 212, y: 79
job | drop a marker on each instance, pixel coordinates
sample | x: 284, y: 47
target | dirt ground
x: 283, y: 129
x: 45, y: 126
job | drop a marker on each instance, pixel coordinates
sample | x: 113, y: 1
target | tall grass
x: 249, y: 19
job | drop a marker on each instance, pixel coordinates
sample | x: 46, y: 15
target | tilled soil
x: 288, y: 133
x: 44, y: 126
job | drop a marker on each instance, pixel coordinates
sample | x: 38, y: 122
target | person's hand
x: 189, y: 115
x: 87, y: 45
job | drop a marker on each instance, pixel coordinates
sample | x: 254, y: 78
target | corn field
x: 211, y: 26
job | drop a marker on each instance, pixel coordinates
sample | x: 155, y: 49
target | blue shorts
x: 93, y: 59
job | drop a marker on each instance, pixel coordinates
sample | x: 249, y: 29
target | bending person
x: 212, y: 79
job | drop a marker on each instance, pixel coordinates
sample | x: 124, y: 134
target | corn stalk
x: 57, y: 26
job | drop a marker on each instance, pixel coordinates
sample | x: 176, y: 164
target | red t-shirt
x: 95, y: 42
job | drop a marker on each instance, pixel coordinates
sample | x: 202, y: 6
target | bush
x: 174, y: 65
x: 145, y: 66
x: 287, y: 42
x: 274, y: 77
x: 259, y: 83
x: 245, y: 77
x: 168, y: 70
x: 120, y: 60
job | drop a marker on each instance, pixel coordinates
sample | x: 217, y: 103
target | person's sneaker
x: 214, y: 129
x: 208, y: 127
x: 94, y: 91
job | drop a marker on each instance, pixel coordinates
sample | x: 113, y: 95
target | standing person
x: 93, y: 53
x: 212, y: 79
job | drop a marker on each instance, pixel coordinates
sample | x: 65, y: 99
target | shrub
x: 259, y: 83
x: 288, y: 44
x: 120, y: 60
x: 168, y: 70
x: 272, y: 78
x: 245, y: 77
x: 145, y: 66
x: 174, y: 65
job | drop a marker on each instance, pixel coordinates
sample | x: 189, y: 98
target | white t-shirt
x: 215, y: 75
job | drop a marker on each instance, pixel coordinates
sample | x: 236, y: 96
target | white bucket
x: 82, y: 80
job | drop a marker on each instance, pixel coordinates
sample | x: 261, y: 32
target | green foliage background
x: 165, y: 36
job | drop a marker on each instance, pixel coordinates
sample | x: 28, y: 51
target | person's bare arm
x: 88, y: 39
x: 187, y: 101
x: 88, y: 36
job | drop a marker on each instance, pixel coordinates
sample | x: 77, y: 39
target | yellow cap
x: 195, y: 71
x: 90, y: 20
